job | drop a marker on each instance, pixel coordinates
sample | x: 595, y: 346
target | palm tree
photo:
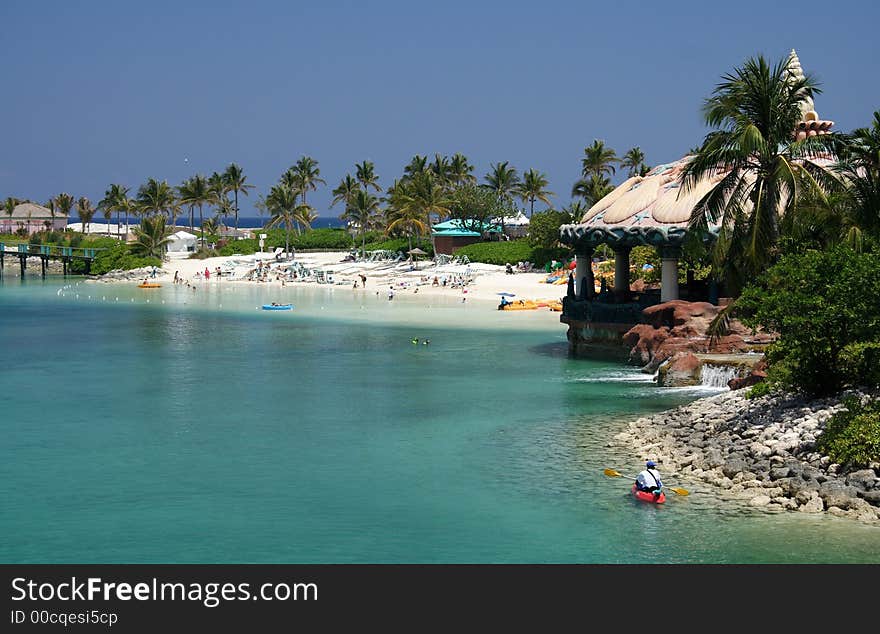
x: 503, y: 180
x: 424, y: 195
x: 64, y: 204
x: 217, y: 192
x: 107, y: 213
x: 532, y: 188
x: 633, y: 160
x: 460, y: 170
x: 281, y: 203
x: 417, y: 165
x: 591, y: 189
x: 154, y: 198
x: 306, y: 215
x: 403, y: 217
x: 210, y: 226
x: 194, y: 192
x: 9, y: 206
x: 859, y: 169
x: 366, y: 176
x: 765, y: 170
x: 362, y: 212
x: 115, y: 201
x: 306, y: 175
x: 235, y: 182
x: 50, y: 205
x: 576, y: 209
x: 345, y: 191
x: 440, y: 168
x: 151, y: 237
x: 85, y: 211
x: 598, y: 160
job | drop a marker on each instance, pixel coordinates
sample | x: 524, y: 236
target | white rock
x: 760, y: 500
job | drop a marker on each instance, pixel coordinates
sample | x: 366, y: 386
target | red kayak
x: 644, y: 496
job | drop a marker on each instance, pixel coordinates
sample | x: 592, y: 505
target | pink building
x: 31, y: 218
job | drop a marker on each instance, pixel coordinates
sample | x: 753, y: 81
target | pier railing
x: 46, y: 252
x: 51, y: 250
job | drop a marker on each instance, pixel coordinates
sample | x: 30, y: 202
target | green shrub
x: 498, y: 252
x: 852, y: 436
x: 758, y: 390
x: 401, y: 245
x: 638, y: 258
x: 327, y: 238
x: 861, y: 363
x: 544, y: 227
x: 823, y: 305
x: 116, y: 257
x: 242, y: 247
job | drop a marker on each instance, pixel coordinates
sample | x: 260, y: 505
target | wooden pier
x: 47, y: 252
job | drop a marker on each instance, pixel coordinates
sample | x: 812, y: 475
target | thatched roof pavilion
x: 655, y: 210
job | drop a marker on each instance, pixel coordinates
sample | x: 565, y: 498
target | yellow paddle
x: 611, y: 473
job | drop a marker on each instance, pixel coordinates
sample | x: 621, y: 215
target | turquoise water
x: 203, y: 430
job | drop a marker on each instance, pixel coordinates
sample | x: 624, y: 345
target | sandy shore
x: 473, y: 282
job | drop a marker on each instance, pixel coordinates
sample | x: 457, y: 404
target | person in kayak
x: 649, y: 479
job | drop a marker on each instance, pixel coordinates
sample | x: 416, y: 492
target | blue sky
x: 96, y: 92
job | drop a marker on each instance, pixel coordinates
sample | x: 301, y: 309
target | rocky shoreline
x: 760, y: 451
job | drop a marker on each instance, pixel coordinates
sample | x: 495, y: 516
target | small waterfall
x: 717, y: 376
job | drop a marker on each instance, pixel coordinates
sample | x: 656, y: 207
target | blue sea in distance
x: 178, y: 426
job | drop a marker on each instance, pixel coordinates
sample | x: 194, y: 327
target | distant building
x: 182, y: 242
x: 231, y: 233
x: 515, y: 226
x: 451, y: 235
x: 31, y: 218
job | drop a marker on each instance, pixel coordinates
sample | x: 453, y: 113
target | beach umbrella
x: 506, y: 294
x: 417, y: 251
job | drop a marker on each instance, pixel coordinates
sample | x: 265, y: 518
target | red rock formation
x: 678, y: 327
x: 758, y: 374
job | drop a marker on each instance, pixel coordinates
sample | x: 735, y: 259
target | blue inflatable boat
x: 277, y: 306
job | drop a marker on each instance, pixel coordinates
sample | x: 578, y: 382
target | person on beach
x: 363, y: 281
x: 390, y: 293
x: 207, y: 273
x: 176, y: 279
x: 649, y: 479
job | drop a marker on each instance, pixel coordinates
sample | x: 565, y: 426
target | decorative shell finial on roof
x: 810, y: 124
x: 797, y: 72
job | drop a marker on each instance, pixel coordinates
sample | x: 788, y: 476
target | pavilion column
x: 669, y: 274
x: 621, y: 271
x: 583, y: 272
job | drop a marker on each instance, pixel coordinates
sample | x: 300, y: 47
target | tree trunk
x: 236, y: 209
x: 202, y: 225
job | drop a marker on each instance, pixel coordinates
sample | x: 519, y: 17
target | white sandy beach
x: 484, y: 282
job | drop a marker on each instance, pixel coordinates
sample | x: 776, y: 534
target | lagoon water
x: 195, y: 428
